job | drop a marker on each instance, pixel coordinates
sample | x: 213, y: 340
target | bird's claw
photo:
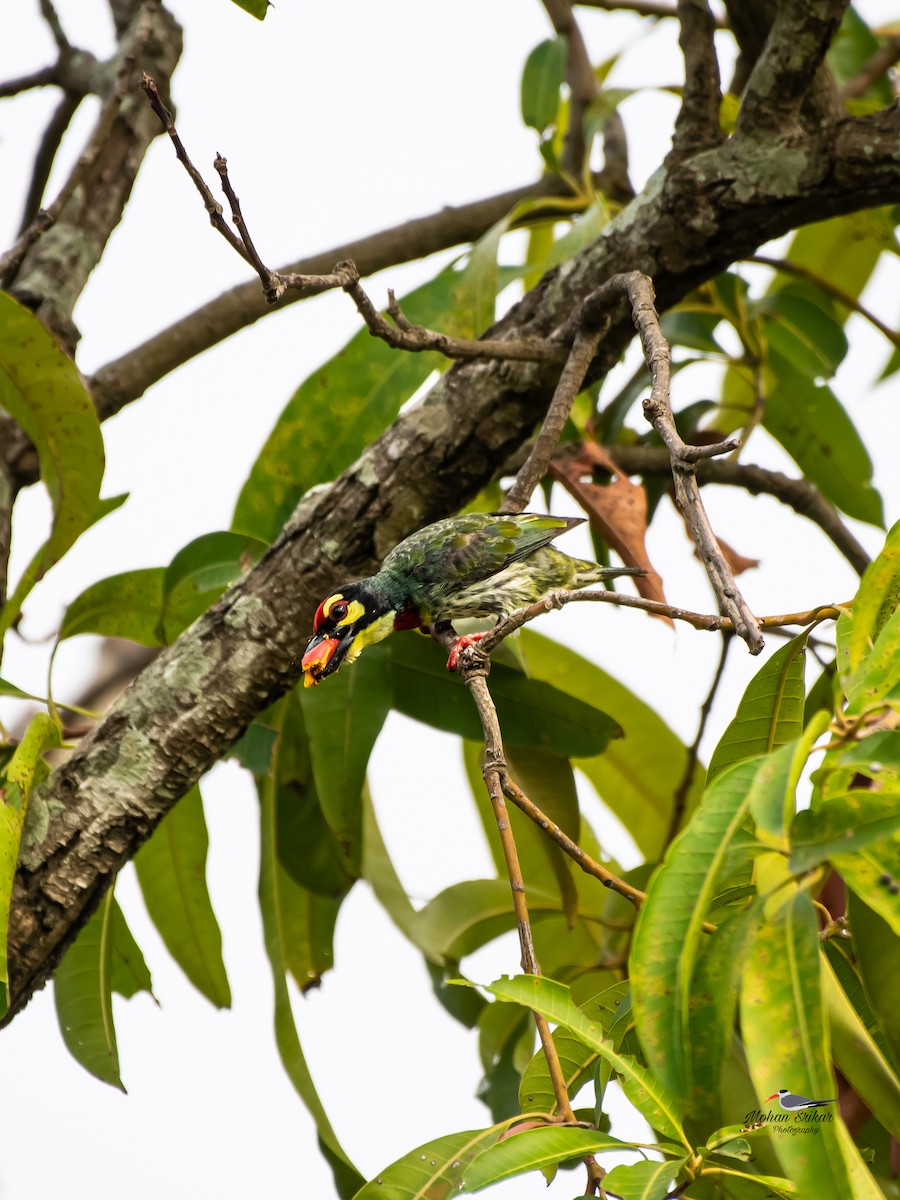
x: 470, y: 639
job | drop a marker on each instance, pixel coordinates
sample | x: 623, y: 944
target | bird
x: 791, y: 1103
x: 471, y: 565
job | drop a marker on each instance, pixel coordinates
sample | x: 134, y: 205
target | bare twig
x: 799, y: 494
x: 571, y: 378
x: 697, y: 124
x: 679, y: 800
x: 708, y: 622
x: 644, y: 8
x: 46, y: 155
x: 24, y: 83
x: 580, y: 77
x: 843, y: 298
x: 639, y: 290
x: 882, y: 60
x: 50, y: 15
x: 402, y: 335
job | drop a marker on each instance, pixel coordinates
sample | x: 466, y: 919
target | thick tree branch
x: 697, y: 123
x: 193, y: 702
x: 800, y: 34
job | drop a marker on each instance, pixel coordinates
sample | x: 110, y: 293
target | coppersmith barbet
x: 474, y: 565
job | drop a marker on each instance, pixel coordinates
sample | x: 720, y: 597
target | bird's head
x: 350, y: 619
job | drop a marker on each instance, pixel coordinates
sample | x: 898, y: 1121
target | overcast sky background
x: 337, y: 120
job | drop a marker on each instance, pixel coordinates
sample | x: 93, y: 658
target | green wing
x: 472, y: 547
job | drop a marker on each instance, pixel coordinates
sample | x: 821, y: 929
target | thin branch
x: 639, y: 290
x: 571, y: 378
x: 880, y: 62
x: 644, y: 8
x: 45, y: 218
x: 24, y: 83
x: 679, y: 800
x: 583, y: 86
x: 844, y: 298
x: 402, y: 335
x: 49, y: 13
x: 799, y: 494
x: 46, y: 156
x: 697, y: 124
x: 707, y: 622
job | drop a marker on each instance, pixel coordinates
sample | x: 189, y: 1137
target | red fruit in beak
x: 316, y: 659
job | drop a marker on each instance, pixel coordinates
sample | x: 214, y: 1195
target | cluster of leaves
x: 726, y: 988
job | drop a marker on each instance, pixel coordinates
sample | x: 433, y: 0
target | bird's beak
x: 323, y: 657
x: 774, y: 1096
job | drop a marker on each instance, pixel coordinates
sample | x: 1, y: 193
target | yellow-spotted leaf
x: 435, y: 1170
x: 536, y: 1150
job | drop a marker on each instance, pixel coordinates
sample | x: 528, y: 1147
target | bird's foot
x: 470, y: 639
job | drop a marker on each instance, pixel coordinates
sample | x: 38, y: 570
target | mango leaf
x: 669, y: 928
x: 802, y: 331
x: 535, y: 1150
x: 637, y: 775
x: 171, y: 869
x: 875, y: 602
x: 124, y: 606
x: 852, y: 47
x: 643, y: 1180
x: 468, y: 915
x: 434, y: 1170
x: 505, y: 1045
x: 858, y: 1057
x: 652, y: 1099
x: 549, y: 782
x: 297, y: 928
x: 850, y: 245
x: 809, y: 421
x: 343, y: 721
x: 786, y: 1042
x: 577, y: 1060
x: 18, y: 779
x: 198, y: 575
x: 542, y: 79
x: 104, y: 957
x: 842, y: 960
x: 41, y: 389
x: 877, y: 678
x: 531, y: 713
x: 844, y: 823
x: 770, y: 712
x: 878, y: 958
x: 338, y: 411
x: 873, y: 873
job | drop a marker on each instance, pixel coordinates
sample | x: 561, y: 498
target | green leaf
x: 337, y: 412
x: 535, y: 1150
x: 786, y: 1042
x: 41, y: 389
x: 770, y: 712
x: 852, y: 47
x: 343, y: 721
x: 102, y: 958
x: 692, y: 329
x: 637, y: 775
x: 873, y: 873
x: 124, y: 606
x: 844, y: 823
x: 858, y: 1057
x: 850, y: 246
x: 877, y: 678
x: 599, y: 110
x: 531, y: 713
x: 18, y: 779
x: 256, y: 8
x: 434, y: 1170
x: 293, y: 933
x: 875, y: 602
x: 643, y: 1089
x: 643, y: 1180
x: 802, y: 332
x: 577, y: 1061
x: 542, y: 79
x: 199, y: 574
x: 812, y: 425
x: 878, y: 957
x: 549, y: 782
x: 667, y: 937
x: 468, y: 915
x: 171, y: 869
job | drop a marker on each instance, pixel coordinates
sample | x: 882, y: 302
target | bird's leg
x: 469, y: 639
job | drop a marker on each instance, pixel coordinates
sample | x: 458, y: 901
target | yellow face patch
x: 376, y: 632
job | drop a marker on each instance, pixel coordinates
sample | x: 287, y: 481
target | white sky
x: 337, y: 120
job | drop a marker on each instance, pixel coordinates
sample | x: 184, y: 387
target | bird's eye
x: 338, y: 611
